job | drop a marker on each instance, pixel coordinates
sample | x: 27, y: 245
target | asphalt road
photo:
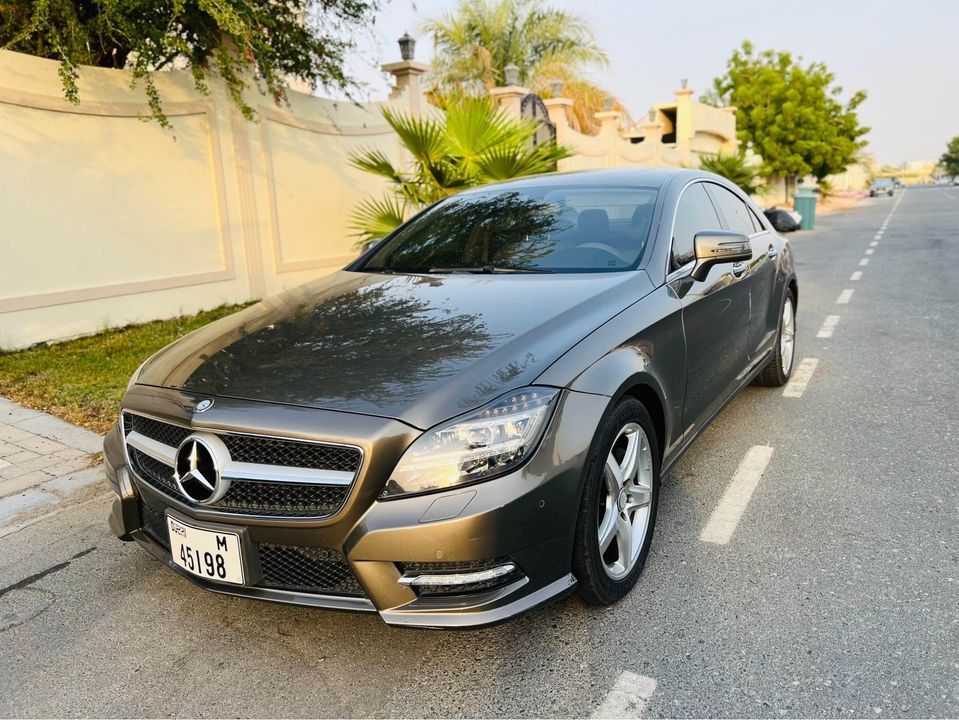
x: 837, y: 595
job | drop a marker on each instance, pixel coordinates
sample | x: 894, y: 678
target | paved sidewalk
x: 43, y: 460
x: 36, y: 447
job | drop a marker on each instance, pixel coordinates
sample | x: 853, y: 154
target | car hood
x: 417, y: 348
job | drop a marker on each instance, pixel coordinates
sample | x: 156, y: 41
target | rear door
x: 715, y: 311
x: 761, y: 274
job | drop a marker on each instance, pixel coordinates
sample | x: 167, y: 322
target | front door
x: 715, y: 312
x: 763, y: 318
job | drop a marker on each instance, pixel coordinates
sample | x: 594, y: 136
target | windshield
x: 568, y: 229
x: 882, y: 183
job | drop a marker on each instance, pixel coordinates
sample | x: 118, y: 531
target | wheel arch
x: 642, y: 389
x: 622, y: 374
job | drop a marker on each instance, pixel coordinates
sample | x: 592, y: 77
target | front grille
x: 162, y: 432
x: 250, y: 496
x: 158, y: 474
x: 290, y: 453
x: 254, y: 449
x: 311, y: 570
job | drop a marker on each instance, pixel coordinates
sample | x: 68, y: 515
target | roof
x: 648, y: 177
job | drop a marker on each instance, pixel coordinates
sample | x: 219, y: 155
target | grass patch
x: 83, y: 380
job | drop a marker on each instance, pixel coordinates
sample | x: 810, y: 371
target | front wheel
x: 780, y: 366
x: 618, y: 506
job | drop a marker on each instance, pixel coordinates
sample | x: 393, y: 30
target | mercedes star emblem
x: 200, y: 460
x: 203, y: 406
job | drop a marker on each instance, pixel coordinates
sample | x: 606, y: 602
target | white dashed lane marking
x: 828, y: 325
x: 864, y: 262
x: 874, y: 243
x: 870, y: 251
x: 800, y: 378
x: 722, y: 523
x: 627, y: 698
x: 856, y: 275
x: 844, y: 297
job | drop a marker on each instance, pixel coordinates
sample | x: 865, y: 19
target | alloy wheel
x: 625, y: 501
x: 787, y: 336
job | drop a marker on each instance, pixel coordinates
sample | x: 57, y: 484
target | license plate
x: 209, y: 554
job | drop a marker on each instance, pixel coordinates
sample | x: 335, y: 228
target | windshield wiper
x: 489, y: 270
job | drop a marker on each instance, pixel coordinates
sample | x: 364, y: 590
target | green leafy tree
x: 240, y: 39
x: 791, y: 113
x: 471, y: 143
x: 480, y: 38
x: 736, y: 168
x: 950, y: 158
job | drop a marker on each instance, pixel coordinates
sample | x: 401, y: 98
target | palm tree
x: 736, y: 168
x: 475, y: 43
x: 471, y: 143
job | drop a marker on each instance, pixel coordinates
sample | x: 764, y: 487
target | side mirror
x: 719, y: 246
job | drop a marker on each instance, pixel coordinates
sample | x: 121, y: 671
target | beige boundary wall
x: 107, y: 219
x: 693, y: 129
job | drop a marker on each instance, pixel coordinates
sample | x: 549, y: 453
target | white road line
x: 856, y: 275
x: 627, y: 698
x: 864, y: 262
x: 828, y: 325
x: 844, y: 297
x: 722, y: 523
x: 870, y: 251
x: 878, y: 237
x: 874, y: 243
x: 800, y: 378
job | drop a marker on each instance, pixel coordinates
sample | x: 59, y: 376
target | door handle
x: 772, y: 252
x: 739, y: 268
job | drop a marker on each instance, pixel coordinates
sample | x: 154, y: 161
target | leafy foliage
x: 736, y: 168
x: 475, y: 42
x: 470, y: 144
x: 791, y: 113
x: 950, y: 158
x: 266, y: 40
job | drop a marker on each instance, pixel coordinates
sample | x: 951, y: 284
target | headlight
x: 478, y: 446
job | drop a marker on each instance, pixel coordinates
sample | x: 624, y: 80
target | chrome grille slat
x: 258, y: 488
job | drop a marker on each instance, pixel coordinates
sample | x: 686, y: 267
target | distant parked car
x: 882, y: 186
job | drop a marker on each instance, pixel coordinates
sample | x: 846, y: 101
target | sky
x: 903, y: 53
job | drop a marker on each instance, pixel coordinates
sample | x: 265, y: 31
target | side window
x: 738, y: 217
x: 695, y: 212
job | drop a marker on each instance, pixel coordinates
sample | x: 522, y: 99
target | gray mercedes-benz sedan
x: 471, y: 419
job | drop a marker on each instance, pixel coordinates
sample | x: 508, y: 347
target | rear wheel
x: 618, y: 506
x: 780, y: 366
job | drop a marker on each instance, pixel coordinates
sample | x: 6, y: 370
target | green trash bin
x: 804, y: 202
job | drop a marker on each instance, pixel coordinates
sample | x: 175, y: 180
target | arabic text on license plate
x: 206, y: 553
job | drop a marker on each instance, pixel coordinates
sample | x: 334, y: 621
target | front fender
x: 642, y: 346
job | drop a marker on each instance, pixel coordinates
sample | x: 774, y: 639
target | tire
x: 774, y: 374
x: 605, y: 577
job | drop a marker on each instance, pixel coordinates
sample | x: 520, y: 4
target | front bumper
x: 526, y: 518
